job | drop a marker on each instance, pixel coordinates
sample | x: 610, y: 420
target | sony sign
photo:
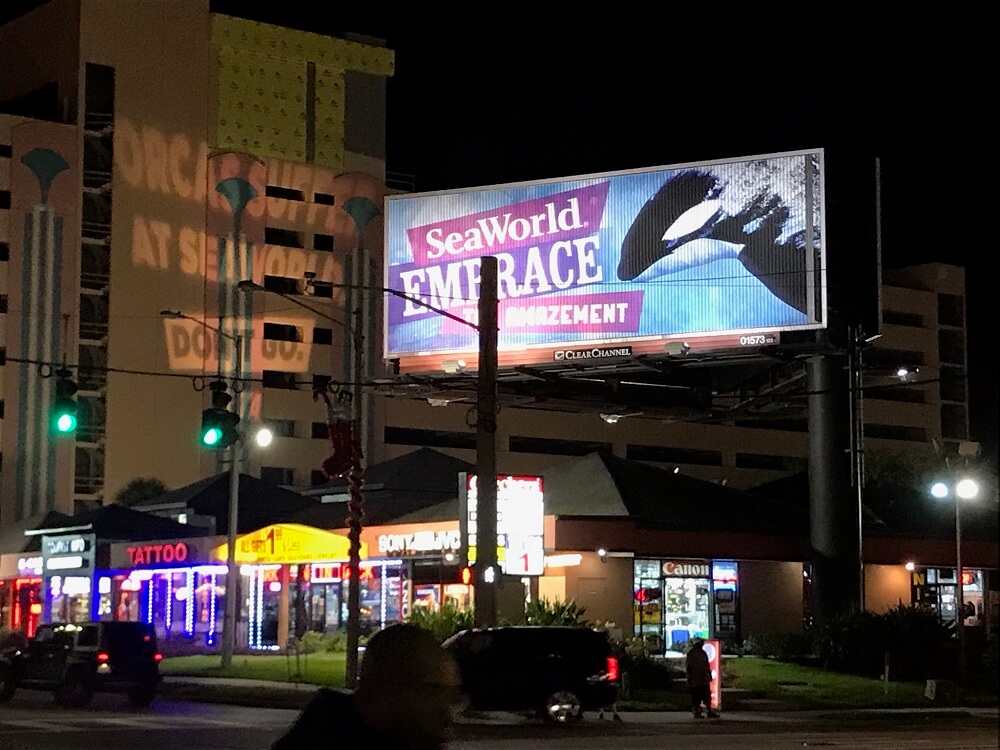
x: 419, y: 542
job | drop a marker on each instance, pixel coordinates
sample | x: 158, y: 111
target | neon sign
x: 29, y: 566
x: 156, y: 554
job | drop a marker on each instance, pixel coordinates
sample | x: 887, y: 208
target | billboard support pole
x: 487, y: 575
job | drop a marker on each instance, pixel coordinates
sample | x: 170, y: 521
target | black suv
x: 558, y: 672
x: 77, y: 660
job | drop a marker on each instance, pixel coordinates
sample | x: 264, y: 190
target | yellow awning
x: 289, y: 543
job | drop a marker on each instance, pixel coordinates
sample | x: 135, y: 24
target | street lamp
x: 355, y: 476
x: 229, y: 616
x: 965, y: 488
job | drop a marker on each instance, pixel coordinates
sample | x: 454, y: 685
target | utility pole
x: 487, y: 574
x: 355, y: 506
x: 232, y: 572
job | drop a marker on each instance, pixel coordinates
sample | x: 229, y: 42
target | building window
x: 3, y: 355
x: 317, y: 477
x: 282, y: 237
x: 774, y: 463
x: 320, y: 431
x: 890, y: 359
x: 4, y: 199
x: 555, y: 447
x: 6, y: 151
x: 429, y: 438
x: 323, y: 242
x: 951, y: 310
x: 322, y: 289
x: 896, y: 432
x: 281, y: 427
x: 897, y: 393
x: 951, y: 347
x: 288, y: 194
x: 324, y: 199
x: 954, y: 424
x: 281, y: 332
x: 282, y: 285
x: 952, y: 384
x: 4, y: 251
x: 277, y: 474
x: 322, y: 335
x: 1, y: 408
x: 668, y: 455
x: 279, y: 379
x: 321, y: 382
x: 3, y: 303
x: 896, y: 318
x: 785, y: 425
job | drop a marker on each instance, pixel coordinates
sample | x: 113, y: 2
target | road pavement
x: 32, y: 722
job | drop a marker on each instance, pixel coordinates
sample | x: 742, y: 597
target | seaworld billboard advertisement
x: 710, y: 255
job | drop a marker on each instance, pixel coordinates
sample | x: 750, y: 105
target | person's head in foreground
x: 407, y: 686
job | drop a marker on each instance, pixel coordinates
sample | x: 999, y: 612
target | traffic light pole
x: 487, y: 575
x: 232, y: 572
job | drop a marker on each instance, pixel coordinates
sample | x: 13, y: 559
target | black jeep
x: 76, y: 660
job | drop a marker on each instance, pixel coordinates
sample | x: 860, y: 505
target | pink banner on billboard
x: 617, y: 312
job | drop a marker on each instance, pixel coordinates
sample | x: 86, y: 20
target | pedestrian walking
x: 699, y: 679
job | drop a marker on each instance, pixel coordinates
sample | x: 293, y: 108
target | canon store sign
x: 685, y: 569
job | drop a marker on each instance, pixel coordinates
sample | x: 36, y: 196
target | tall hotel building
x: 154, y: 154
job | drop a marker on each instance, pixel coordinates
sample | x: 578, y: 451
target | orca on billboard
x: 702, y: 253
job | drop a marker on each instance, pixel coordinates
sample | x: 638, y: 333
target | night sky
x: 503, y: 96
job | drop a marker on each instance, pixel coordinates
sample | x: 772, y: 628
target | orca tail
x: 780, y: 267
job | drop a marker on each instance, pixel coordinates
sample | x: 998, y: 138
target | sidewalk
x: 761, y: 712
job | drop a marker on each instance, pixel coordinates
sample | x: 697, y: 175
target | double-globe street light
x: 962, y: 487
x: 262, y: 437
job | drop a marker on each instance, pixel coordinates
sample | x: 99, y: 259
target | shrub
x: 916, y: 641
x: 546, y: 612
x: 443, y: 622
x: 312, y: 642
x: 781, y: 646
x: 644, y: 671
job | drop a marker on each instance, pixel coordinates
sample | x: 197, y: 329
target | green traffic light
x: 65, y: 422
x: 211, y: 436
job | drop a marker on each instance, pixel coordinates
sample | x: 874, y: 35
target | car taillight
x: 102, y: 657
x: 157, y: 657
x: 612, y: 674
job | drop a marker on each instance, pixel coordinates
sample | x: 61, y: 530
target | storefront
x: 21, y: 592
x: 174, y: 585
x: 296, y: 579
x: 937, y: 588
x: 677, y: 600
x: 428, y: 559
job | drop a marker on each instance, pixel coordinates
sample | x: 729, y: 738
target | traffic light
x: 218, y: 423
x: 64, y: 410
x: 466, y: 575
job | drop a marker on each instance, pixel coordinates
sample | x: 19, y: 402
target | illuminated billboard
x: 711, y: 255
x: 520, y: 522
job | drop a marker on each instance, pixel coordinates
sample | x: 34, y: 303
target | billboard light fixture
x: 454, y: 366
x: 677, y: 348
